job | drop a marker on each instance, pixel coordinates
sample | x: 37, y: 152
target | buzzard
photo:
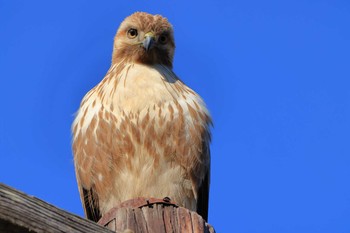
x: 141, y: 132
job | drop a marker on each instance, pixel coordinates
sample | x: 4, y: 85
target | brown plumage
x: 141, y: 132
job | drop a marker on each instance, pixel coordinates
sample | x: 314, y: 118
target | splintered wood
x: 154, y: 217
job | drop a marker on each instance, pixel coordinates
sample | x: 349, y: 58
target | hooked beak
x: 148, y: 41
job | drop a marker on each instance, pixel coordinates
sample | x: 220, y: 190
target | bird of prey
x: 141, y: 132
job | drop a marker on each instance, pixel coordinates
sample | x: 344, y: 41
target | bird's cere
x: 148, y: 41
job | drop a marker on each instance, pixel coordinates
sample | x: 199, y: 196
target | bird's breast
x: 142, y: 94
x: 141, y: 129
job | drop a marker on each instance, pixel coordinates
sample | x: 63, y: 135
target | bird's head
x: 144, y: 38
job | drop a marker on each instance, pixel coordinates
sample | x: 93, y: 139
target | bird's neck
x: 136, y: 86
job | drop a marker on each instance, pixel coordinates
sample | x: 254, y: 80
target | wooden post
x: 150, y: 215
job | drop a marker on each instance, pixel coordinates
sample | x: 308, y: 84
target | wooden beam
x: 20, y: 212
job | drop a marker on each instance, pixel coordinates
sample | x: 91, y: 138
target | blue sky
x: 274, y: 74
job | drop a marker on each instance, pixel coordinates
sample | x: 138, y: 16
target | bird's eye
x: 163, y: 39
x: 132, y: 33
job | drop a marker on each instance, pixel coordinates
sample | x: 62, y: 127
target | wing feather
x: 91, y: 207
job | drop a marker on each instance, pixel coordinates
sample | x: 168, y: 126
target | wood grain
x: 156, y: 217
x: 20, y: 212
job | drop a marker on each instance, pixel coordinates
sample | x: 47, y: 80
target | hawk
x: 141, y: 132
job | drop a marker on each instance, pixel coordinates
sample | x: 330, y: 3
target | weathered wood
x: 22, y: 213
x: 142, y: 215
